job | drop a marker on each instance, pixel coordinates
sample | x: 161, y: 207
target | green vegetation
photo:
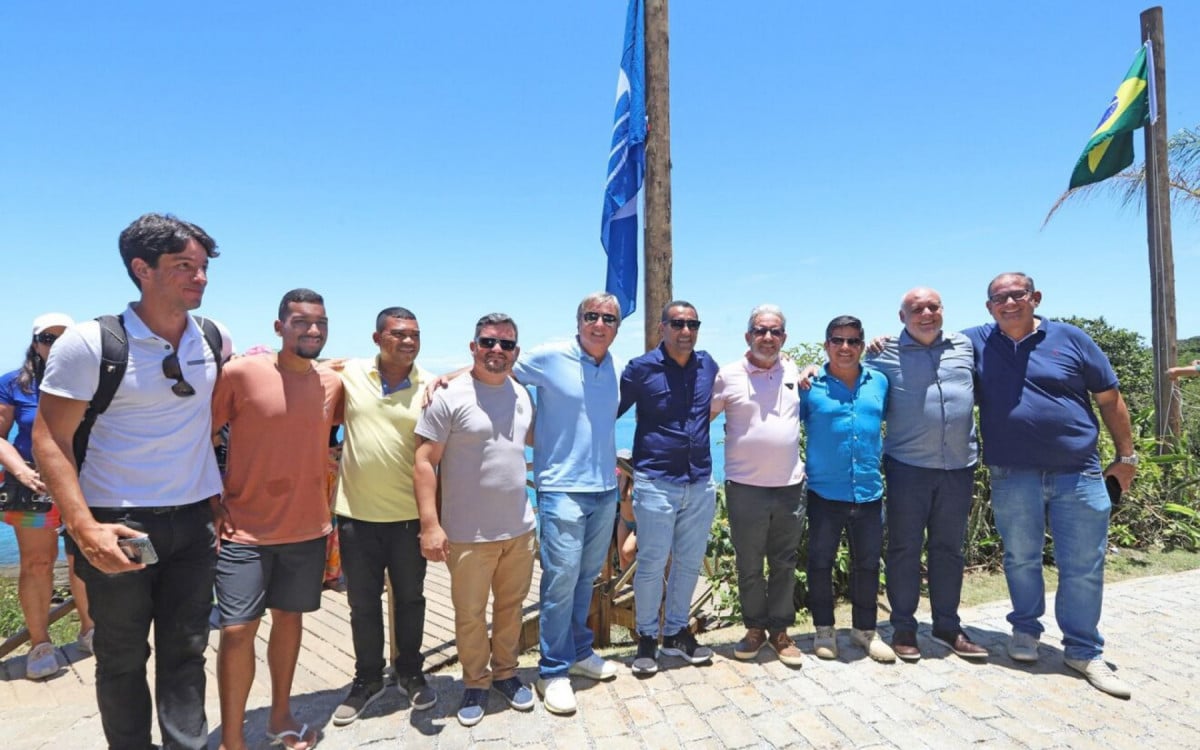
x: 12, y: 620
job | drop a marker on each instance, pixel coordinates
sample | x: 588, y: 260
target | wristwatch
x: 1132, y: 459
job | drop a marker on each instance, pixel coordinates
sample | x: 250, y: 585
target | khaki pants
x: 504, y: 569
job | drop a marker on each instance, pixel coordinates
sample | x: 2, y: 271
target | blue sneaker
x: 474, y: 701
x: 518, y: 695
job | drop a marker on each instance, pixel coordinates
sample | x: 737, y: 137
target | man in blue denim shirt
x: 674, y: 497
x: 1033, y: 381
x: 929, y: 458
x: 843, y: 417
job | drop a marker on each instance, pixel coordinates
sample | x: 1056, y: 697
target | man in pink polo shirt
x: 764, y: 487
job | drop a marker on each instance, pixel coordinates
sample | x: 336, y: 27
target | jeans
x: 369, y: 550
x: 576, y: 529
x: 864, y: 526
x: 673, y: 522
x: 923, y: 501
x: 766, y: 523
x: 1078, y: 508
x: 175, y: 594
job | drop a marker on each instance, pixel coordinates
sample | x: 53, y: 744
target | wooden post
x: 1168, y: 415
x: 656, y: 245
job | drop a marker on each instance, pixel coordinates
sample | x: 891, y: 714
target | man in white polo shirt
x: 764, y: 487
x: 150, y: 469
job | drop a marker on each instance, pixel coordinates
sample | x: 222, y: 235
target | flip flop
x: 281, y: 738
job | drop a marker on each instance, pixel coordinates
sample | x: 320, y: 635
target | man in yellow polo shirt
x: 377, y: 513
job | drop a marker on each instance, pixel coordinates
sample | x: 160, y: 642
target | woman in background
x: 37, y: 532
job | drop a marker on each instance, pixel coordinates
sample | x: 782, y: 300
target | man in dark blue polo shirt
x: 674, y: 497
x: 1033, y: 381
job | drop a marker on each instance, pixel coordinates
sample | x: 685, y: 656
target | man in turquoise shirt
x: 843, y: 416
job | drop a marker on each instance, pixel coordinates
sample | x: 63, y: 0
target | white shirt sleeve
x: 73, y: 368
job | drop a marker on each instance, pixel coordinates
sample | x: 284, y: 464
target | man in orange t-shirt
x: 274, y: 514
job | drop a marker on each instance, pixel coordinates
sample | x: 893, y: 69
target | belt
x: 158, y: 510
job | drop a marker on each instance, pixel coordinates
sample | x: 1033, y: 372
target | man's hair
x: 495, y: 319
x: 675, y: 303
x: 298, y: 295
x: 403, y: 313
x: 1028, y: 280
x: 844, y: 321
x: 151, y: 236
x: 598, y: 298
x: 766, y: 310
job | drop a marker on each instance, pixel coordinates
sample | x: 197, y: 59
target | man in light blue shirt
x: 929, y: 457
x: 574, y: 466
x: 843, y: 416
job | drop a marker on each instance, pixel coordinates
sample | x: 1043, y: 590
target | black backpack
x: 114, y: 358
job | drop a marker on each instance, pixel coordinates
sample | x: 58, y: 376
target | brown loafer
x: 960, y: 644
x: 904, y: 643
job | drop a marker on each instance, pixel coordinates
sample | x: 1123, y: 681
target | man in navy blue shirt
x: 674, y: 497
x: 1035, y: 382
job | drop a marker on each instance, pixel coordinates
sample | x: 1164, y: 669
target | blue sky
x: 450, y: 157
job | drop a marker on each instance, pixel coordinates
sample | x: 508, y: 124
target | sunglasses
x: 46, y: 338
x: 171, y: 369
x: 608, y: 318
x: 930, y: 306
x: 1017, y: 295
x: 840, y: 340
x: 760, y: 332
x: 487, y: 342
x: 679, y: 324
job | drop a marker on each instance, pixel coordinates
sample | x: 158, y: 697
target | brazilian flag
x: 1111, y: 147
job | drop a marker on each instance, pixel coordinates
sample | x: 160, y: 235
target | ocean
x: 625, y: 429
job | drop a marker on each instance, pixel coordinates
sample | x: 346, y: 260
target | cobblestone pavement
x: 940, y: 702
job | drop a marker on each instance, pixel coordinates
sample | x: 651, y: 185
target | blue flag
x: 626, y: 167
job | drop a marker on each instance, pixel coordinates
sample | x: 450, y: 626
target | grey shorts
x: 252, y: 577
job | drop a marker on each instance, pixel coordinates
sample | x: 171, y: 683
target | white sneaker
x: 1023, y: 647
x: 1100, y: 675
x: 825, y: 643
x: 41, y: 662
x: 875, y: 647
x: 557, y: 695
x: 85, y: 641
x: 595, y: 668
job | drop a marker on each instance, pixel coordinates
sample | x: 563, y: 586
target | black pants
x: 369, y: 550
x: 766, y: 523
x: 863, y: 523
x: 175, y: 594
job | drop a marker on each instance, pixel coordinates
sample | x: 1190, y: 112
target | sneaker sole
x: 644, y: 669
x: 683, y: 655
x: 909, y: 658
x: 350, y: 720
x: 468, y: 722
x: 413, y: 704
x: 746, y: 655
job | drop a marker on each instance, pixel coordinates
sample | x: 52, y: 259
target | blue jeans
x: 1078, y: 508
x: 175, y: 594
x: 576, y: 528
x: 371, y: 550
x: 863, y: 523
x: 673, y: 522
x: 923, y: 501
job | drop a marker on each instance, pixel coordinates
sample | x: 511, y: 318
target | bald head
x: 921, y: 314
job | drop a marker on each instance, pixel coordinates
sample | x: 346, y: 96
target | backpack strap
x: 212, y: 336
x: 114, y: 358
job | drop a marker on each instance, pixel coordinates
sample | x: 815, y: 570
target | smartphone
x: 138, y: 549
x: 1114, y: 490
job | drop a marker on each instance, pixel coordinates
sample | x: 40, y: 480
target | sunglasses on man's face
x: 762, y: 331
x: 46, y: 338
x: 171, y: 369
x: 842, y: 340
x: 608, y: 318
x: 679, y: 324
x: 1016, y: 295
x: 487, y: 342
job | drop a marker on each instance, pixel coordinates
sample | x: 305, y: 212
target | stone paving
x: 940, y: 702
